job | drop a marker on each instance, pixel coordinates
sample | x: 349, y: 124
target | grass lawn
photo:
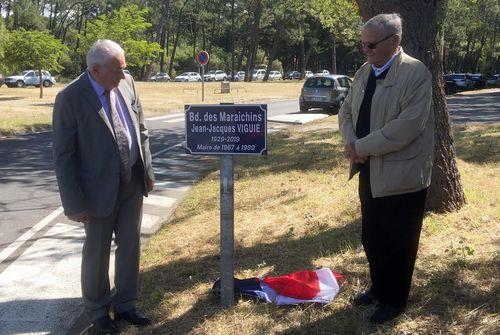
x: 294, y: 210
x: 22, y: 110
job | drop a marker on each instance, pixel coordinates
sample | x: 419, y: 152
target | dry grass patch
x: 295, y: 210
x: 22, y: 110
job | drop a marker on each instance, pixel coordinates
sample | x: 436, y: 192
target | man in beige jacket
x: 387, y: 129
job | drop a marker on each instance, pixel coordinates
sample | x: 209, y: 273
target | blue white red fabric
x: 319, y: 286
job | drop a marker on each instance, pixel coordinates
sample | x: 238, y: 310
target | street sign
x: 203, y: 57
x: 226, y: 129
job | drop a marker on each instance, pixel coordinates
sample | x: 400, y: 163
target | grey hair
x: 101, y: 51
x: 386, y: 23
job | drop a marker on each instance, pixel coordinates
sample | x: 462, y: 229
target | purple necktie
x: 121, y: 141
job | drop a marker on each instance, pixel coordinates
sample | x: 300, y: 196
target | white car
x: 30, y: 78
x: 275, y: 75
x: 188, y: 76
x: 258, y: 74
x: 322, y: 73
x: 160, y: 76
x: 308, y: 74
x: 215, y: 75
x: 240, y: 76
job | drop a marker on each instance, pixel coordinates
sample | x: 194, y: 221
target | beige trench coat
x: 401, y: 139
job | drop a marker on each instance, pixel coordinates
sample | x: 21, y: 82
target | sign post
x: 226, y: 130
x: 202, y: 58
x: 226, y: 231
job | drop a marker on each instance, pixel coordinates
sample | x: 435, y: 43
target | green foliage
x: 340, y: 17
x: 3, y: 41
x: 298, y: 30
x: 127, y: 27
x: 33, y: 50
x: 26, y: 15
x: 471, y: 36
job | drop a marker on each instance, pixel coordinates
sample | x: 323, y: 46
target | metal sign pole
x: 227, y: 230
x: 202, y: 83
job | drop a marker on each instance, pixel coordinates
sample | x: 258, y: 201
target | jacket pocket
x: 411, y: 151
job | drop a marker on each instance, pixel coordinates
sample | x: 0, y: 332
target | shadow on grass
x: 446, y: 302
x: 320, y: 151
x: 478, y: 145
x: 481, y: 108
x: 285, y: 255
x: 45, y: 104
x: 10, y: 98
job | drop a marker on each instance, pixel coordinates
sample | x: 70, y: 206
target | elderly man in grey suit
x: 103, y: 168
x: 388, y: 131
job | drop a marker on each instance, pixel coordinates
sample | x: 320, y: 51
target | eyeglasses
x: 373, y: 45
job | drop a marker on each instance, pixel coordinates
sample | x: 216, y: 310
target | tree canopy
x: 239, y: 34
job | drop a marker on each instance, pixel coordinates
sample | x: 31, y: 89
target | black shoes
x: 134, y: 316
x: 382, y: 312
x: 385, y: 313
x: 104, y: 325
x: 363, y: 299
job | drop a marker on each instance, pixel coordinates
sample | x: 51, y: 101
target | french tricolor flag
x: 319, y: 286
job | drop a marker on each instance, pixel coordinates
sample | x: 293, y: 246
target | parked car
x: 239, y: 76
x: 30, y: 78
x: 322, y: 73
x: 160, y: 76
x: 188, y: 76
x: 324, y: 91
x: 308, y: 74
x: 215, y: 75
x: 462, y: 80
x: 292, y: 75
x: 493, y: 80
x: 450, y: 86
x: 478, y: 80
x: 258, y: 74
x: 275, y: 75
x: 2, y: 80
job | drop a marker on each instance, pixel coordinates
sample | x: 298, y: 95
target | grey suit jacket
x: 86, y: 157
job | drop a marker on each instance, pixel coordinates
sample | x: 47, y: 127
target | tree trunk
x: 252, y: 54
x: 232, y: 40
x: 421, y: 39
x: 176, y: 40
x: 40, y: 82
x: 274, y: 49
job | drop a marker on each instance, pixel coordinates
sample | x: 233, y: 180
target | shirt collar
x: 99, y: 90
x: 379, y: 70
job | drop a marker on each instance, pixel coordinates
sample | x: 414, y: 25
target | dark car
x: 327, y: 92
x: 292, y: 75
x: 478, y: 80
x: 2, y: 80
x: 450, y: 86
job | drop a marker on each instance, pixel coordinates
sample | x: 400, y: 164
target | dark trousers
x: 390, y: 234
x: 125, y: 223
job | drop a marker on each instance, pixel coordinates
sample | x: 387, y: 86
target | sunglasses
x: 373, y: 45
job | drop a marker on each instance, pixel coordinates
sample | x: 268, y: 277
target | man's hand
x: 78, y: 217
x: 350, y: 151
x: 151, y: 185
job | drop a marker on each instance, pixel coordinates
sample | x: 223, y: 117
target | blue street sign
x: 226, y: 129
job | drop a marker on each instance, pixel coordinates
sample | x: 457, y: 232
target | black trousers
x: 390, y: 234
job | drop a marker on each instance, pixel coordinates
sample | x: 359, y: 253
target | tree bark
x: 176, y: 40
x: 422, y: 40
x: 252, y: 54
